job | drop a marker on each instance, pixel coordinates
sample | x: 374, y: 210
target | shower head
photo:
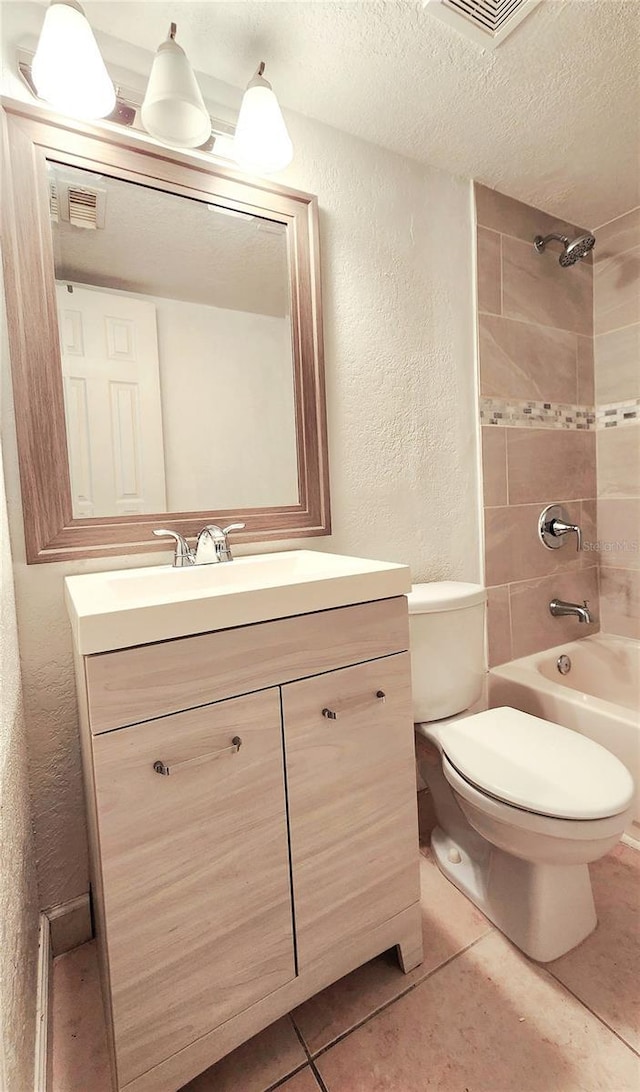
x: 574, y: 249
x: 577, y: 249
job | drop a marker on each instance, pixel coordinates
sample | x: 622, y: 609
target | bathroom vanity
x: 248, y: 756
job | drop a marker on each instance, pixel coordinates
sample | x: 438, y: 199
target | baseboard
x: 61, y: 929
x: 42, y: 1075
x: 70, y: 924
x: 629, y: 840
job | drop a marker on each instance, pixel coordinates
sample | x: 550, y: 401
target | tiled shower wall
x: 617, y: 374
x: 537, y: 414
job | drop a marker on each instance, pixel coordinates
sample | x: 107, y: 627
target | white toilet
x: 522, y: 805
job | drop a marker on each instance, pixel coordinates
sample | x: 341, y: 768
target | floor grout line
x: 300, y: 1036
x: 311, y: 1062
x: 283, y: 1080
x: 318, y: 1076
x: 593, y: 1012
x: 376, y: 1012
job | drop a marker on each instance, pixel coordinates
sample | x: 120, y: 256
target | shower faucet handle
x: 553, y: 525
x: 558, y: 527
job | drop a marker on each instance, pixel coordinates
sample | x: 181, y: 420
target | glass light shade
x: 68, y: 70
x: 261, y: 141
x: 173, y: 110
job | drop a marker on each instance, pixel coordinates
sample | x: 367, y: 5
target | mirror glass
x: 175, y: 331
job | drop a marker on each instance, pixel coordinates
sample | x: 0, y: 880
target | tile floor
x: 476, y: 1016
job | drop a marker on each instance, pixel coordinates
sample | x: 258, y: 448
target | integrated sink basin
x: 113, y: 610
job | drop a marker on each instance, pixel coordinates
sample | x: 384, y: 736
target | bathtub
x: 599, y: 697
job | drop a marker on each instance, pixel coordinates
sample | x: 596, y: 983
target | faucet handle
x: 228, y: 556
x: 553, y: 525
x: 183, y: 555
x: 559, y: 527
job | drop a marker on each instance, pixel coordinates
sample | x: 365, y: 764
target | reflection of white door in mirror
x: 109, y: 350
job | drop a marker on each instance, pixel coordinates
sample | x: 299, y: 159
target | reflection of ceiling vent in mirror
x: 53, y: 200
x: 82, y: 206
x: 487, y: 22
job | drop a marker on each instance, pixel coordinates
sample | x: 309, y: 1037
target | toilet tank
x: 446, y: 621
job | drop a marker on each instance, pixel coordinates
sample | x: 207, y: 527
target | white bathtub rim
x: 524, y: 672
x: 615, y: 727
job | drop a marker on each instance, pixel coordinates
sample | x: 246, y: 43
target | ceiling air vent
x: 487, y: 22
x: 86, y: 207
x: 82, y: 206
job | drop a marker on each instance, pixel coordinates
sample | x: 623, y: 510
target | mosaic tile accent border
x: 557, y: 415
x: 614, y: 414
x: 507, y: 414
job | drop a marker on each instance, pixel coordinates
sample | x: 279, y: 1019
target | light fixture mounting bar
x: 128, y: 108
x: 124, y: 112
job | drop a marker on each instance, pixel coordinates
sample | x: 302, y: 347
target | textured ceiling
x: 549, y: 117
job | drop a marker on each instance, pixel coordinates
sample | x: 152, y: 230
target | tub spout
x: 559, y: 609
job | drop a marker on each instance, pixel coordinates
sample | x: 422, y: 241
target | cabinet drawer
x: 352, y: 802
x: 137, y: 684
x: 195, y: 872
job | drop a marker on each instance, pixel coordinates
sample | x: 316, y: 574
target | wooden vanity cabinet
x: 352, y: 820
x: 251, y: 849
x: 195, y: 871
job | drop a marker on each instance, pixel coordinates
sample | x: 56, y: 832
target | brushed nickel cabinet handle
x: 165, y: 769
x: 350, y: 704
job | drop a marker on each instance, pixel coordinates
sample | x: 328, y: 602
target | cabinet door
x: 195, y: 873
x: 352, y: 801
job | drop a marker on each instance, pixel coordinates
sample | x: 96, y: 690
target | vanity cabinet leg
x: 409, y: 949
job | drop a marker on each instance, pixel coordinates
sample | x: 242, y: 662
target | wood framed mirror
x: 165, y: 331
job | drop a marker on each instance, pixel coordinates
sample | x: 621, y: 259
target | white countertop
x: 119, y: 609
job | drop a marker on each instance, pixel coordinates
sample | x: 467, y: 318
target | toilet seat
x: 530, y: 823
x: 534, y: 766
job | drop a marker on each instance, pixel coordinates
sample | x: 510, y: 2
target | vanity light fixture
x: 173, y: 110
x: 68, y: 70
x: 261, y: 142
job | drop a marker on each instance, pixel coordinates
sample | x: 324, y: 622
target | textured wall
x: 538, y: 443
x: 617, y: 368
x: 398, y: 303
x: 18, y: 893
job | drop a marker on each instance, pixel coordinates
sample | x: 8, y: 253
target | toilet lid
x: 536, y: 765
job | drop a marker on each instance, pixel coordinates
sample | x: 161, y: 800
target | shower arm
x: 540, y: 242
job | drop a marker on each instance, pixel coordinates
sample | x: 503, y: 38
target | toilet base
x: 544, y: 909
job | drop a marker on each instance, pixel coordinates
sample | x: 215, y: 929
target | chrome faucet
x: 212, y: 545
x: 559, y: 609
x: 554, y: 524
